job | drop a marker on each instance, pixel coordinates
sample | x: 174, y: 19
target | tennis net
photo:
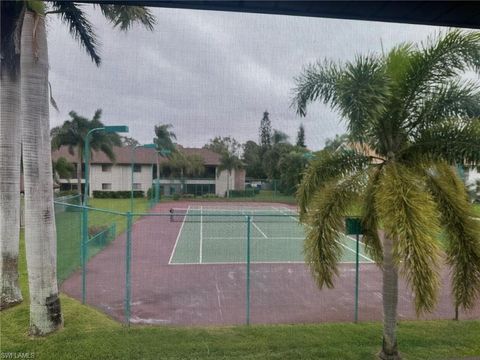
x: 216, y: 215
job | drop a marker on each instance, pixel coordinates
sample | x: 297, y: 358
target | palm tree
x: 72, y: 133
x: 10, y: 145
x: 40, y: 232
x: 181, y: 164
x: 229, y: 162
x: 164, y: 141
x: 414, y: 116
x: 62, y: 169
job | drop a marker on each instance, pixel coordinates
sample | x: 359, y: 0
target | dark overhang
x: 441, y: 13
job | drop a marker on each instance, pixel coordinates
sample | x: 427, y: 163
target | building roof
x: 439, y: 13
x: 123, y: 155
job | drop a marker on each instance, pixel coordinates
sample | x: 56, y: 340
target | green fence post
x: 157, y: 190
x: 357, y: 254
x: 128, y: 258
x: 83, y: 251
x: 248, y: 271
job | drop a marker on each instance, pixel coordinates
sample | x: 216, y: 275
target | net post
x: 248, y: 218
x: 357, y: 254
x: 128, y: 253
x: 83, y: 251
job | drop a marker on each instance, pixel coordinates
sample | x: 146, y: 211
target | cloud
x: 209, y: 73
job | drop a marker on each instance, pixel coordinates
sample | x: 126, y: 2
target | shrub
x: 100, y: 194
x: 243, y: 193
x: 176, y: 196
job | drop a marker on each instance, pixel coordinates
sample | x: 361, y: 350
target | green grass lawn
x: 69, y: 229
x: 89, y: 334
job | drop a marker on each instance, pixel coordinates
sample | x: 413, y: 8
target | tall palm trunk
x: 10, y: 147
x: 40, y: 231
x: 390, y: 300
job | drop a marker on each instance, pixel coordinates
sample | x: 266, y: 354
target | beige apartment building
x: 106, y: 175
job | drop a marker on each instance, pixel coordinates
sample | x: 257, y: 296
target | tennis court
x: 212, y: 235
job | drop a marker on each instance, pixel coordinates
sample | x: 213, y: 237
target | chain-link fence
x: 215, y: 263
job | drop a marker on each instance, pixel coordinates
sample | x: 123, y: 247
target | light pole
x: 86, y: 155
x: 147, y: 146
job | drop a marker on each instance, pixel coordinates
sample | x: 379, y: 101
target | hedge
x: 100, y: 194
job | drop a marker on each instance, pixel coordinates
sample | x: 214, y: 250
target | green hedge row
x: 100, y: 194
x: 244, y: 193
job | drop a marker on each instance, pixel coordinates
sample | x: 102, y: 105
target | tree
x: 291, y: 167
x: 62, y: 169
x: 265, y: 132
x: 181, y: 165
x: 416, y: 117
x: 72, y: 133
x: 301, y: 136
x: 229, y: 162
x: 252, y: 158
x: 128, y: 141
x: 10, y: 145
x: 272, y: 157
x: 164, y: 142
x: 221, y: 145
x: 279, y: 137
x: 26, y: 22
x: 336, y: 142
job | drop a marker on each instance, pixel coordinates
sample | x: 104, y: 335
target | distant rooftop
x: 123, y: 155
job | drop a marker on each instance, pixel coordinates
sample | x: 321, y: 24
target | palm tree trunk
x: 40, y: 231
x: 10, y: 147
x: 390, y: 300
x: 228, y: 184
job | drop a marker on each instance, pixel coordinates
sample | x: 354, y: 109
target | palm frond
x: 452, y: 140
x: 107, y: 149
x: 441, y: 58
x: 455, y: 99
x: 358, y: 90
x: 362, y: 91
x: 323, y: 248
x: 409, y: 217
x: 462, y: 232
x: 79, y: 26
x: 325, y: 167
x: 124, y: 16
x: 370, y: 226
x: 317, y: 81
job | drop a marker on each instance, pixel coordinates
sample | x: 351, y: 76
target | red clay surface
x: 215, y: 294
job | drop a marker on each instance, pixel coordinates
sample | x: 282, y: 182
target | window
x: 106, y: 168
x: 137, y: 168
x: 137, y: 186
x: 106, y: 186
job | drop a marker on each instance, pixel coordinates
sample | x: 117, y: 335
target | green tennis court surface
x: 216, y: 236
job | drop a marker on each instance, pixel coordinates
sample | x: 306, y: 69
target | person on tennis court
x: 171, y: 214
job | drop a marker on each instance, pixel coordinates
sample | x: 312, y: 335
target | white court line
x: 282, y: 212
x: 260, y: 230
x: 352, y: 250
x: 256, y: 262
x: 201, y: 233
x: 253, y: 238
x: 178, y: 236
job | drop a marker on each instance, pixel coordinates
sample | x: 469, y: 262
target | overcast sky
x: 209, y: 73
